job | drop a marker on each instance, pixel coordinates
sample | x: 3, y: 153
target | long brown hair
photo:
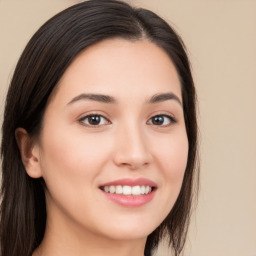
x: 41, y: 65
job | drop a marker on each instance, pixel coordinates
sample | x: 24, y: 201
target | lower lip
x: 130, y: 201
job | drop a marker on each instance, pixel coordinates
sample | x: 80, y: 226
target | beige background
x: 221, y: 38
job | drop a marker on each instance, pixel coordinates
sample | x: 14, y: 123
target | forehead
x: 119, y: 66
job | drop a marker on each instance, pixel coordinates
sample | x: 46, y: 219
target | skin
x: 75, y: 158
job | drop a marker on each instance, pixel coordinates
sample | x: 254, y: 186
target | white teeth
x: 128, y: 190
x: 136, y: 190
x: 119, y: 190
x: 112, y: 189
x: 148, y: 189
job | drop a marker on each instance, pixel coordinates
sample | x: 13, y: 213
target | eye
x: 161, y: 120
x: 94, y: 120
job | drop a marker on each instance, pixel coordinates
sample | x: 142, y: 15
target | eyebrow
x: 109, y: 99
x: 93, y: 97
x: 163, y: 97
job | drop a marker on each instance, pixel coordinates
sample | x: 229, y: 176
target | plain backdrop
x: 221, y: 40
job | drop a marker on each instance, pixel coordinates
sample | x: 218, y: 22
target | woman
x: 99, y: 136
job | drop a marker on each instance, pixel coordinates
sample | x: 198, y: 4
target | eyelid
x: 87, y: 115
x: 172, y: 119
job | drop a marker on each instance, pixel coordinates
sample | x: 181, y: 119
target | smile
x: 128, y: 190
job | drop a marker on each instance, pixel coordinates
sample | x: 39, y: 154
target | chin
x: 132, y: 231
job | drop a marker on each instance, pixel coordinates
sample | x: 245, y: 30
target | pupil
x: 158, y: 120
x: 94, y: 120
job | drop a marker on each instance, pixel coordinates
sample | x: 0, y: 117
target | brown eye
x: 161, y: 120
x: 94, y: 120
x: 157, y: 120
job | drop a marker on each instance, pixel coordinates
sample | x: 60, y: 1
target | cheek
x: 172, y: 156
x: 72, y: 157
x: 70, y: 165
x: 172, y: 159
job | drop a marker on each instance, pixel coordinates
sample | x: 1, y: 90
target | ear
x: 29, y: 151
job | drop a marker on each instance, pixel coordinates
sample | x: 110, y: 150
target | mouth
x: 129, y: 192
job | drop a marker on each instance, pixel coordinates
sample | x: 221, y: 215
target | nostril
x: 132, y: 151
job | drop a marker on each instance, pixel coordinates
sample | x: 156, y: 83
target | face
x: 113, y: 147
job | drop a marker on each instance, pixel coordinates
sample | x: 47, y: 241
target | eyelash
x: 171, y: 120
x: 82, y: 120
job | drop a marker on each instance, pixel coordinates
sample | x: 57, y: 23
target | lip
x: 130, y: 200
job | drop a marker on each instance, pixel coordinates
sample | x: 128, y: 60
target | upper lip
x: 131, y: 182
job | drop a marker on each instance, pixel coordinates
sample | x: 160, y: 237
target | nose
x: 132, y: 149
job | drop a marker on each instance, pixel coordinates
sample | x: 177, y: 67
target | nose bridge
x: 132, y: 146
